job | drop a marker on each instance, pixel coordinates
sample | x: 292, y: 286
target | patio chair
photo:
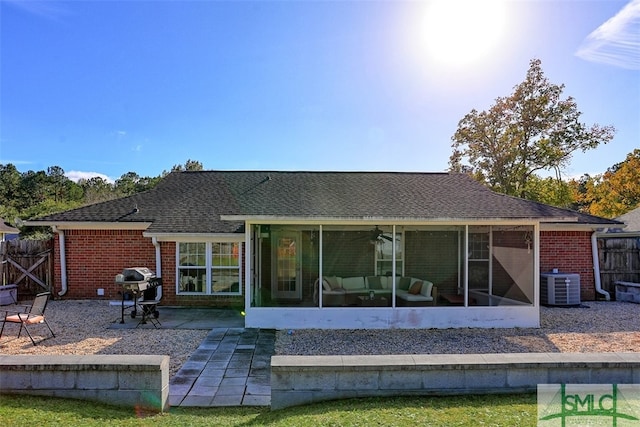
x: 32, y: 315
x: 149, y: 303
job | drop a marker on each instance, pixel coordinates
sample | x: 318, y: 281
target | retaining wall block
x: 568, y: 375
x: 527, y: 377
x: 92, y: 380
x: 612, y: 376
x: 52, y: 379
x: 315, y: 380
x: 358, y: 380
x: 400, y: 380
x: 15, y: 380
x: 443, y: 379
x: 485, y: 378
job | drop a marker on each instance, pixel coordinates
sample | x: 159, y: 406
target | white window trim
x: 208, y: 267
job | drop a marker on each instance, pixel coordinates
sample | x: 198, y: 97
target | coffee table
x: 365, y: 301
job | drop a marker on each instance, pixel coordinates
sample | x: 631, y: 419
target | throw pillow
x: 326, y: 285
x: 416, y: 287
x: 333, y: 281
x: 374, y: 282
x: 427, y: 287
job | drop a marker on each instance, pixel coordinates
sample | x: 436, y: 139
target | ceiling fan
x: 377, y: 235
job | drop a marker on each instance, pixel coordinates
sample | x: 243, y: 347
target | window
x: 384, y: 254
x: 209, y: 267
x: 225, y: 267
x: 192, y: 271
x: 479, y: 258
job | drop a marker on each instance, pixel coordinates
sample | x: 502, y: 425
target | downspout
x: 156, y: 244
x: 596, y: 266
x: 63, y: 261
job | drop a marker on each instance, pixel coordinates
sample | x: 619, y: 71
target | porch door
x: 285, y: 258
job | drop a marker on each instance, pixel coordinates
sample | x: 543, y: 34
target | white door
x: 285, y: 280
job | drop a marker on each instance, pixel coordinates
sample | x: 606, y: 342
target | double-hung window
x: 225, y: 267
x: 209, y: 268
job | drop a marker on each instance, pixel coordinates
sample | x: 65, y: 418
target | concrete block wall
x: 298, y: 380
x: 140, y: 381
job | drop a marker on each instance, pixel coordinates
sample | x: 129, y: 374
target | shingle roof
x: 7, y: 228
x: 632, y: 219
x: 193, y: 202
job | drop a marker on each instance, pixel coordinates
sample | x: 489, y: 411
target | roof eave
x: 90, y: 225
x: 553, y: 226
x: 195, y: 237
x: 274, y: 219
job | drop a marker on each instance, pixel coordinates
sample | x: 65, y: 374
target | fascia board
x: 90, y: 225
x: 196, y: 237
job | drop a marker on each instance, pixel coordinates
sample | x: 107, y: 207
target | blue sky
x: 108, y: 87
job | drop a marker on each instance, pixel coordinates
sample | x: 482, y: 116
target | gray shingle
x: 192, y: 202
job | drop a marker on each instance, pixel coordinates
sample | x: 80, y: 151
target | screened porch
x: 393, y: 266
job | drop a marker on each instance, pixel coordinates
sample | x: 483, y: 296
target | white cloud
x: 15, y: 162
x: 78, y: 175
x: 617, y: 41
x: 44, y: 9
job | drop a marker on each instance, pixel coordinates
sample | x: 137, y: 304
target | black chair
x: 32, y: 315
x: 149, y: 302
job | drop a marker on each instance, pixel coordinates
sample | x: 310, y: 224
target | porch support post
x: 536, y: 268
x: 248, y: 256
x: 320, y: 253
x: 393, y: 266
x: 466, y: 265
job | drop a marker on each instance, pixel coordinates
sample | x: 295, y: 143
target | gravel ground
x: 593, y: 328
x: 82, y: 328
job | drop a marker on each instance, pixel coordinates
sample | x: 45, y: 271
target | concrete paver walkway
x: 231, y: 367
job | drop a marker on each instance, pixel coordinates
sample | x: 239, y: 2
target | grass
x: 485, y: 410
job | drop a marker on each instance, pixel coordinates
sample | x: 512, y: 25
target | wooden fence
x: 619, y: 260
x: 28, y: 264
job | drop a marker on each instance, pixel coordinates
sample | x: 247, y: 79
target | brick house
x: 330, y: 249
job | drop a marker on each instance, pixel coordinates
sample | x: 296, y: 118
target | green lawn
x: 487, y: 410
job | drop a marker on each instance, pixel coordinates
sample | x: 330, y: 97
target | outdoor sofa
x: 410, y: 291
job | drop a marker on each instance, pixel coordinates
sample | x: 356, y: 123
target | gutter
x: 63, y: 261
x: 154, y: 240
x: 596, y: 265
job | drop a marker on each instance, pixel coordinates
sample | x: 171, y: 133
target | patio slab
x: 233, y: 370
x: 186, y: 318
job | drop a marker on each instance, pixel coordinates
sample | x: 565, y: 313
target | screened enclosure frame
x: 475, y: 264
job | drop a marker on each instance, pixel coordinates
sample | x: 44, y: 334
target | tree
x: 615, y: 192
x: 131, y: 183
x: 9, y: 185
x: 127, y: 183
x: 532, y: 130
x: 189, y: 165
x: 550, y: 191
x: 96, y: 190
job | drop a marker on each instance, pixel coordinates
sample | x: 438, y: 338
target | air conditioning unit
x: 559, y: 289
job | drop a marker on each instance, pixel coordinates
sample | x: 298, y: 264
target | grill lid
x: 137, y: 274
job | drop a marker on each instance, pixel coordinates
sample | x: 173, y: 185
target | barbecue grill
x: 135, y: 279
x: 140, y: 284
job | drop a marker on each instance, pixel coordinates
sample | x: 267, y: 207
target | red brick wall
x: 94, y: 257
x: 569, y: 252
